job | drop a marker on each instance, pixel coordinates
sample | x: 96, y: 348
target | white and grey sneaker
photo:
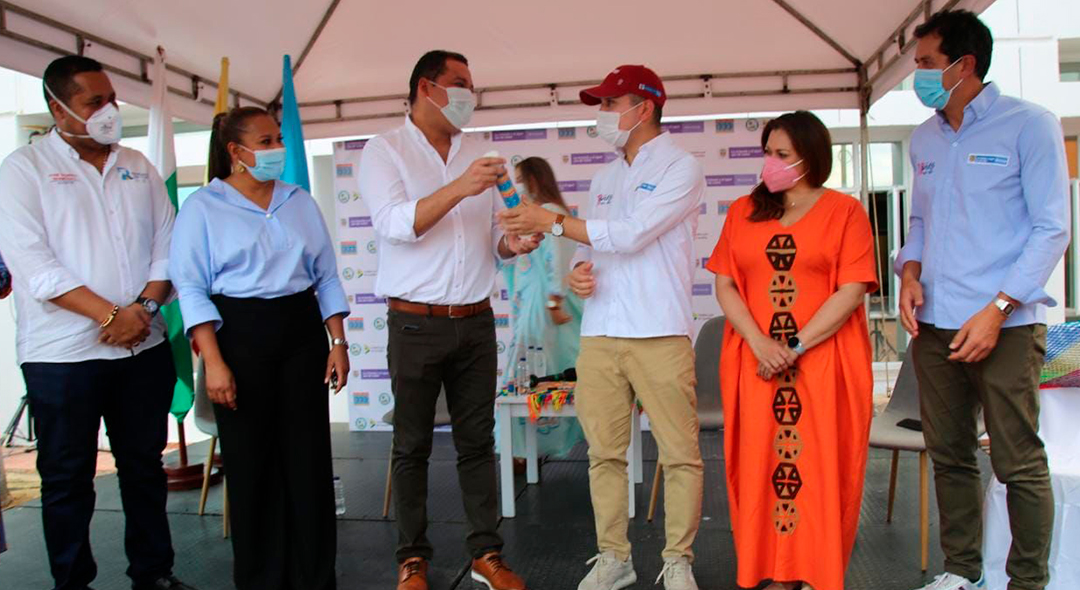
x: 677, y: 575
x: 609, y: 573
x: 949, y: 581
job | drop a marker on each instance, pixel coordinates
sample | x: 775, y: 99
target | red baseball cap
x: 628, y: 79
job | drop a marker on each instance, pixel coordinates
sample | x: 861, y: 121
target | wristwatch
x: 795, y: 344
x: 1004, y: 306
x: 339, y: 342
x: 149, y: 305
x: 552, y: 304
x: 557, y: 228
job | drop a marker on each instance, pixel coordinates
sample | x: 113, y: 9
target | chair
x: 885, y: 434
x: 442, y: 418
x: 710, y: 405
x: 205, y: 421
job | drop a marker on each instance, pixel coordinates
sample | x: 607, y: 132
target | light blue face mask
x: 269, y: 164
x: 930, y: 90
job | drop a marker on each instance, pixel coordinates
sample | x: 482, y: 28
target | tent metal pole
x: 310, y: 44
x: 817, y: 31
x: 865, y: 90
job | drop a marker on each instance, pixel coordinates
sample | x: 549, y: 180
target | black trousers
x: 68, y: 401
x: 276, y: 444
x: 426, y: 354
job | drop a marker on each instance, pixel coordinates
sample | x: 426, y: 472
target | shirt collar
x: 979, y: 106
x: 57, y: 143
x: 657, y: 143
x: 418, y: 135
x: 283, y: 191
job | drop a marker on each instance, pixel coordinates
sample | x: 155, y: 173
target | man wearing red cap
x: 634, y: 267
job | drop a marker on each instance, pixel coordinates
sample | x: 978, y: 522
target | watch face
x: 557, y: 229
x: 151, y: 306
x: 793, y: 342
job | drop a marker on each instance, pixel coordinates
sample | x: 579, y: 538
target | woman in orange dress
x: 793, y: 265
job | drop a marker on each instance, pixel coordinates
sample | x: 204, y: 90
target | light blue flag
x: 296, y: 171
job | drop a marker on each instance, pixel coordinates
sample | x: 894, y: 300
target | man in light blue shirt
x: 989, y: 216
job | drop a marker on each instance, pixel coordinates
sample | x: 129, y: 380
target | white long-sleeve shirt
x: 64, y: 225
x: 453, y: 263
x: 642, y: 221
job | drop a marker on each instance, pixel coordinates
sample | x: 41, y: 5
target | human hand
x: 480, y: 176
x: 220, y: 384
x: 581, y: 280
x: 527, y: 218
x: 337, y: 363
x: 978, y: 336
x: 773, y: 355
x: 128, y: 329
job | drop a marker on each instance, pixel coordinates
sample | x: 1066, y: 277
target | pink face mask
x: 779, y: 176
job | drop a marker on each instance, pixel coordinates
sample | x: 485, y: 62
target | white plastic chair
x: 205, y: 421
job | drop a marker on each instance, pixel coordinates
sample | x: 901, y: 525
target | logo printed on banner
x: 374, y: 373
x: 356, y: 324
x: 604, y: 199
x: 731, y: 180
x: 361, y: 398
x: 752, y: 124
x: 519, y: 135
x: 126, y: 174
x: 348, y: 248
x: 592, y: 158
x: 701, y: 289
x: 355, y: 349
x: 371, y: 247
x: 591, y: 131
x: 703, y: 262
x: 343, y: 197
x: 356, y: 144
x: 725, y: 125
x: 703, y: 316
x: 500, y: 347
x: 343, y: 170
x: 568, y: 133
x: 360, y: 221
x: 750, y: 151
x: 385, y: 399
x: 502, y: 320
x: 723, y: 206
x: 362, y: 424
x: 703, y: 209
x: 379, y: 323
x: 574, y: 186
x: 368, y: 298
x: 63, y: 178
x: 348, y: 274
x: 684, y: 127
x: 925, y: 168
x: 988, y: 160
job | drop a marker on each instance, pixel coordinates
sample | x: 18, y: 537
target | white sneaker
x: 609, y: 573
x: 677, y: 575
x: 949, y: 581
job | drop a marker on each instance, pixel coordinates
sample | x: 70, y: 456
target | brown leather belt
x: 439, y: 311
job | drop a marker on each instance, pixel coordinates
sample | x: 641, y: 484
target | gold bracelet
x: 112, y: 316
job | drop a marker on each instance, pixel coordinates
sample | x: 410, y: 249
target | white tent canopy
x: 352, y: 58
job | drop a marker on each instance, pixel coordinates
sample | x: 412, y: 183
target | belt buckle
x: 450, y: 311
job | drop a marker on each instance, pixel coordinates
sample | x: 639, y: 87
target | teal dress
x: 531, y: 279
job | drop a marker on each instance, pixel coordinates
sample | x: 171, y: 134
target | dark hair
x: 431, y: 65
x: 539, y: 178
x: 60, y: 76
x: 961, y: 33
x: 812, y: 142
x: 227, y: 129
x: 658, y: 111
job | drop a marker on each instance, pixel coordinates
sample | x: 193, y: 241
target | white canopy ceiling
x: 353, y: 57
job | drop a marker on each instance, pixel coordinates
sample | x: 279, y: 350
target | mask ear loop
x: 959, y: 82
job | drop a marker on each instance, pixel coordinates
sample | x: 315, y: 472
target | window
x: 1069, y: 59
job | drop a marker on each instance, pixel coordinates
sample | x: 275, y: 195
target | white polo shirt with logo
x: 642, y: 221
x: 64, y: 225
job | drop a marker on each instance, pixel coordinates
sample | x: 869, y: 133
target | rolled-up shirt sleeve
x: 382, y: 188
x: 1044, y: 177
x: 23, y: 237
x: 676, y: 195
x: 190, y: 267
x: 164, y: 217
x: 328, y: 289
x: 913, y: 244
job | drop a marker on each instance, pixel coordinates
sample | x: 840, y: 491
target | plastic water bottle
x: 522, y: 376
x: 339, y: 496
x: 541, y: 362
x: 531, y: 361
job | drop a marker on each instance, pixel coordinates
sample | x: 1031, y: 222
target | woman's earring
x: 238, y: 168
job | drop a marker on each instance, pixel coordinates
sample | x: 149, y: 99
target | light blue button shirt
x: 226, y: 245
x: 989, y: 209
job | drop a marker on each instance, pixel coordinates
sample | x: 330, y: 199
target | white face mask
x: 607, y: 126
x: 458, y: 111
x: 104, y: 126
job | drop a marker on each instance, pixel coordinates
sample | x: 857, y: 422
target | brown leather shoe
x: 491, y: 571
x: 412, y: 574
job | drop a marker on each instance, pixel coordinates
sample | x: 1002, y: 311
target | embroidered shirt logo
x: 126, y: 174
x: 924, y: 168
x: 647, y: 187
x: 603, y: 199
x: 62, y: 178
x: 988, y: 160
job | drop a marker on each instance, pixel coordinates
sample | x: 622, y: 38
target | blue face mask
x: 269, y: 164
x: 930, y: 90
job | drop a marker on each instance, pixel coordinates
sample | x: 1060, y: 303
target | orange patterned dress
x: 795, y: 447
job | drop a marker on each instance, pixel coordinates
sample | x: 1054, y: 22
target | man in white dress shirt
x: 86, y: 229
x: 433, y: 208
x: 635, y: 267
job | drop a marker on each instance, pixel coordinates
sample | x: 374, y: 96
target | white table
x: 1058, y: 414
x: 509, y: 408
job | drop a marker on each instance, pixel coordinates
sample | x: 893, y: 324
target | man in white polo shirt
x: 635, y: 266
x: 85, y: 231
x: 433, y: 208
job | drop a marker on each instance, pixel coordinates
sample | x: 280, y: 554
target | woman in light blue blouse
x: 254, y: 267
